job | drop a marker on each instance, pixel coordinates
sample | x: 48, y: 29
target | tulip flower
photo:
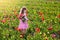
x: 58, y: 16
x: 50, y: 28
x: 53, y: 35
x: 40, y: 13
x: 17, y: 29
x: 37, y: 29
x: 3, y: 21
x: 42, y: 18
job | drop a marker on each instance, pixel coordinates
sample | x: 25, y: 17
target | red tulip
x: 37, y: 29
x: 50, y: 28
x: 17, y: 29
x: 58, y: 16
x: 40, y: 13
x: 3, y: 21
x: 42, y: 18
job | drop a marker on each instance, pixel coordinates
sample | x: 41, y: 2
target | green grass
x: 50, y: 10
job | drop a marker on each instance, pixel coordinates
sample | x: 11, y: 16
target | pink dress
x: 23, y: 25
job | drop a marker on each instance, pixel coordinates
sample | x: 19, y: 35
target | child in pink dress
x: 23, y: 25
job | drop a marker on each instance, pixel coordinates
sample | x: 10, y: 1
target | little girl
x: 23, y: 25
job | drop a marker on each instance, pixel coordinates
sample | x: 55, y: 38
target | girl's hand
x: 23, y: 19
x: 26, y: 18
x: 19, y: 17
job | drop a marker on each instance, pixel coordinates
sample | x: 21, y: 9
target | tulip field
x: 43, y: 15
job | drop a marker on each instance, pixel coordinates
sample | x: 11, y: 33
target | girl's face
x: 24, y: 11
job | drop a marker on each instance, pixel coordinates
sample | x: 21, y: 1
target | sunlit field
x: 43, y: 15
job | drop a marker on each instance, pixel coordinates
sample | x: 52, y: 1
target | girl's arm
x: 26, y: 18
x: 20, y: 16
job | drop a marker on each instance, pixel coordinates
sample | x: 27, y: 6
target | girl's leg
x: 23, y: 32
